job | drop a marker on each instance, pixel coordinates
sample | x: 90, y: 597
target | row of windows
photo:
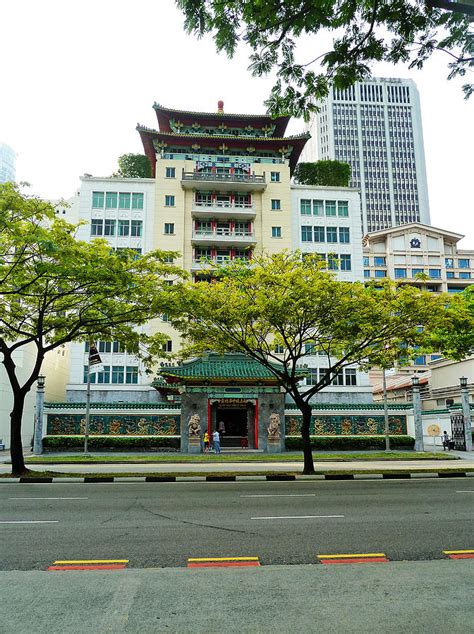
x: 106, y: 346
x: 117, y: 200
x: 463, y: 263
x: 124, y: 228
x: 324, y: 207
x: 115, y: 374
x: 346, y: 377
x: 335, y: 262
x: 325, y: 234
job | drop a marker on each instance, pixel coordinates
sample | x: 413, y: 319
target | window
x: 169, y: 201
x: 124, y: 200
x: 435, y: 274
x: 338, y: 379
x: 312, y: 378
x: 305, y: 207
x: 97, y: 200
x: 167, y: 346
x: 450, y: 275
x: 464, y: 275
x: 330, y: 207
x: 170, y: 172
x: 366, y: 260
x: 131, y: 374
x: 96, y: 227
x: 379, y: 273
x: 117, y: 347
x: 310, y: 348
x: 136, y: 228
x: 168, y: 259
x: 318, y: 207
x: 111, y: 200
x: 276, y: 206
x: 169, y: 228
x: 379, y: 261
x: 421, y: 360
x: 279, y: 349
x: 449, y: 263
x: 275, y: 177
x: 137, y: 201
x: 350, y: 376
x: 345, y: 262
x: 93, y: 375
x: 463, y: 263
x: 331, y: 234
x: 165, y: 317
x: 343, y: 208
x: 276, y: 232
x: 306, y: 234
x: 104, y: 376
x: 400, y: 273
x: 117, y: 374
x: 319, y: 235
x: 415, y: 272
x: 366, y: 273
x: 344, y: 235
x: 123, y: 228
x: 333, y: 262
x: 104, y: 346
x: 109, y: 228
x: 324, y: 374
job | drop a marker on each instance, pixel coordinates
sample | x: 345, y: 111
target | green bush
x: 349, y: 443
x: 96, y: 443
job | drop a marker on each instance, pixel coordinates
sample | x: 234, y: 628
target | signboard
x: 434, y: 430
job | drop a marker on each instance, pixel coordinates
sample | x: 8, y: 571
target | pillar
x: 417, y: 414
x: 466, y: 410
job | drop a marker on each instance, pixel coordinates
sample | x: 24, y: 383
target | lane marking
x: 224, y: 564
x: 464, y: 491
x: 296, y: 517
x: 353, y: 555
x: 29, y: 521
x: 281, y: 495
x: 92, y: 561
x: 223, y: 559
x: 48, y: 498
x: 88, y: 567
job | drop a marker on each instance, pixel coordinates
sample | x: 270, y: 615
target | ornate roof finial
x: 220, y: 106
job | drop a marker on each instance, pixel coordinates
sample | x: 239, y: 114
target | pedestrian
x: 217, y: 441
x: 445, y: 440
x: 206, y: 442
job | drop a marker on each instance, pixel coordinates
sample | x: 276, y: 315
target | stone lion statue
x: 194, y: 425
x: 273, y: 429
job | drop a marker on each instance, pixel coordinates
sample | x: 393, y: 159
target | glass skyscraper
x: 7, y: 163
x: 375, y: 126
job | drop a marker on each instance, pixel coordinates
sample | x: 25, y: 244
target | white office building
x: 375, y: 126
x: 326, y: 221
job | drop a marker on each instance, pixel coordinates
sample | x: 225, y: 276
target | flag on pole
x: 95, y: 362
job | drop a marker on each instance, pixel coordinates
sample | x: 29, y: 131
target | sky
x: 76, y: 78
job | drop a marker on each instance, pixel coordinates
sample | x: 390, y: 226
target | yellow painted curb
x: 353, y: 555
x: 92, y: 561
x: 223, y: 559
x: 457, y: 552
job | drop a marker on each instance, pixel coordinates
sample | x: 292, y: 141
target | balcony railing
x: 221, y: 204
x: 202, y: 263
x: 224, y: 235
x: 224, y: 177
x: 224, y: 210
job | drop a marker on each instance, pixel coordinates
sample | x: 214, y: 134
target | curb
x: 283, y: 477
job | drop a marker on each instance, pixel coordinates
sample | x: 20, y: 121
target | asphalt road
x: 162, y: 525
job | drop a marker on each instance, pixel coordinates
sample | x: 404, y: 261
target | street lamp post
x: 466, y: 410
x: 38, y: 437
x: 415, y: 381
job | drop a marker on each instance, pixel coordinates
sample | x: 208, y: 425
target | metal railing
x: 224, y: 177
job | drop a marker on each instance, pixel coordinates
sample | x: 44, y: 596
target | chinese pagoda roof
x: 219, y: 368
x: 164, y: 115
x: 294, y: 144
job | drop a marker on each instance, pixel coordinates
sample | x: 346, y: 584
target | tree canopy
x: 56, y: 289
x: 134, y: 166
x: 284, y: 302
x: 395, y: 31
x: 329, y: 173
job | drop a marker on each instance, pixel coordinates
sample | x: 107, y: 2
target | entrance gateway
x: 230, y: 393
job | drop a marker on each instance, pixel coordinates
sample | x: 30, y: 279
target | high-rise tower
x: 375, y: 126
x: 7, y: 163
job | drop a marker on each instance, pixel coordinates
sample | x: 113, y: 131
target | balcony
x: 206, y: 264
x: 224, y: 210
x: 223, y: 236
x: 225, y: 182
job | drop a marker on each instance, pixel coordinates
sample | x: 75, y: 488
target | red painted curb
x: 356, y: 560
x: 224, y: 564
x: 89, y: 567
x: 462, y: 556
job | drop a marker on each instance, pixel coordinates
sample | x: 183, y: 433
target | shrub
x: 61, y: 443
x: 352, y: 443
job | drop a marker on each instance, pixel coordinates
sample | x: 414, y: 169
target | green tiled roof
x: 233, y: 366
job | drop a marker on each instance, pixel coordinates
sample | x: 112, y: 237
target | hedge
x: 336, y: 443
x: 59, y: 443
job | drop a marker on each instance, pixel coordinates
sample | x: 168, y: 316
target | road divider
x: 459, y: 554
x: 354, y: 558
x: 89, y: 564
x: 223, y: 562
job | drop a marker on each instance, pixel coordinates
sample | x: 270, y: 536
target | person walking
x: 445, y: 441
x: 206, y: 442
x: 217, y: 441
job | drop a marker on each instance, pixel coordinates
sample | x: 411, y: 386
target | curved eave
x: 214, y: 118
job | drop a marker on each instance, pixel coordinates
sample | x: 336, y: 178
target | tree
x: 290, y: 301
x: 56, y: 289
x: 401, y: 31
x: 455, y: 339
x: 329, y: 173
x: 134, y: 166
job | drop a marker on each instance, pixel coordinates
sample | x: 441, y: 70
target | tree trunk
x: 16, y: 447
x: 307, y: 450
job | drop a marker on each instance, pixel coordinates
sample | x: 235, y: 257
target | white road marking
x: 48, y: 498
x: 464, y: 491
x: 29, y: 522
x: 295, y: 517
x: 279, y: 495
